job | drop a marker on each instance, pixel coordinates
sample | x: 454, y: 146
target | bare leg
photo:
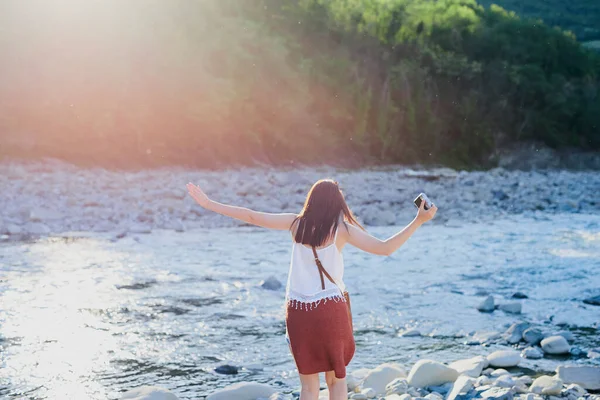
x: 338, y: 389
x: 310, y: 387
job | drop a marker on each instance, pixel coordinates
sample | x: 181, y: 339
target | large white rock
x: 470, y: 367
x: 555, y: 345
x: 378, y: 378
x: 461, y: 387
x: 148, y: 393
x: 430, y: 373
x: 504, y: 358
x: 242, y: 391
x: 486, y: 305
x: 546, y: 385
x: 586, y: 377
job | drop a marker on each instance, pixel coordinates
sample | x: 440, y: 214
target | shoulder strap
x: 322, y: 269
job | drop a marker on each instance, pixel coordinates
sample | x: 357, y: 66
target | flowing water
x: 85, y: 317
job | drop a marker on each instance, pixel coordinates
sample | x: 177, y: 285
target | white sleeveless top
x: 304, y: 289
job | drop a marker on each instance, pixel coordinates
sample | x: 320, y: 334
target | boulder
x: 587, y: 377
x: 533, y: 336
x: 555, y: 345
x: 532, y: 353
x: 430, y: 373
x: 242, y: 391
x: 504, y: 358
x: 514, y: 334
x: 546, y: 386
x: 148, y: 393
x: 271, y: 284
x: 461, y: 387
x: 470, y: 367
x: 513, y: 308
x: 378, y: 378
x: 486, y: 305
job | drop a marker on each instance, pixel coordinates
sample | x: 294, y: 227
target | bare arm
x: 281, y: 221
x: 366, y: 242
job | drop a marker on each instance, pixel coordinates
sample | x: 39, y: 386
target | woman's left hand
x: 197, y: 194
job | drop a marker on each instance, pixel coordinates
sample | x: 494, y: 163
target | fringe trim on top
x: 300, y: 302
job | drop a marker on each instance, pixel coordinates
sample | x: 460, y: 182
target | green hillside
x: 582, y: 17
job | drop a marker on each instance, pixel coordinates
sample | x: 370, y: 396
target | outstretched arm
x: 281, y: 221
x: 364, y: 241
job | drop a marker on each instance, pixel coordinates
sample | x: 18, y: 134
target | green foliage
x: 352, y: 81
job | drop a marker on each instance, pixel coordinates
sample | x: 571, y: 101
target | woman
x: 318, y: 324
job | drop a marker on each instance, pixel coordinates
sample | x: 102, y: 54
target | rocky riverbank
x: 52, y: 197
x: 496, y: 376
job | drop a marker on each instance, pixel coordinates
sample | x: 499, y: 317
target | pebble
x: 410, y: 333
x: 555, y: 345
x: 505, y: 381
x: 397, y: 386
x: 369, y: 392
x: 460, y: 388
x: 513, y: 308
x: 496, y: 393
x: 532, y: 353
x: 227, y: 369
x: 514, y: 334
x: 519, y: 295
x: 358, y: 396
x: 242, y: 391
x: 504, y: 358
x: 499, y: 372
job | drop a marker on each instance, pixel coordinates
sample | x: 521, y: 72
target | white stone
x: 461, y: 386
x: 505, y: 381
x: 575, y: 390
x: 546, y: 386
x: 504, y: 358
x: 358, y: 396
x: 410, y: 333
x: 513, y: 308
x: 533, y: 336
x: 148, y: 393
x: 514, y: 334
x: 532, y: 353
x: 487, y: 305
x: 524, y: 380
x: 242, y: 391
x: 379, y: 377
x: 499, y: 372
x: 588, y: 377
x: 430, y: 373
x: 471, y: 367
x: 352, y: 382
x: 483, y: 381
x: 398, y: 397
x: 434, y: 396
x: 369, y: 392
x: 496, y: 393
x: 555, y: 345
x: 397, y: 386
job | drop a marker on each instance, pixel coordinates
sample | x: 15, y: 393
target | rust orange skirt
x: 321, y: 338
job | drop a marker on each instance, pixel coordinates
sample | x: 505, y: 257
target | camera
x: 423, y: 197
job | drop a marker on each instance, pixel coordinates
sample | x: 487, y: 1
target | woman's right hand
x: 197, y: 194
x: 424, y: 215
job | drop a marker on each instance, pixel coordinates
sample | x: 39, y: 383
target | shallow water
x: 88, y: 318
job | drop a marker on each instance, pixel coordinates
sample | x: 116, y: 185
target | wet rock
x: 487, y: 305
x: 441, y: 389
x: 514, y: 334
x: 430, y: 373
x: 496, y: 393
x: 499, y: 372
x: 567, y: 335
x: 483, y: 381
x: 227, y: 369
x: 379, y: 377
x: 504, y: 358
x: 513, y: 308
x: 461, y: 388
x: 574, y: 391
x: 410, y: 333
x: 471, y: 367
x: 357, y: 396
x: 397, y: 386
x: 505, y: 381
x: 434, y: 396
x: 519, y: 295
x: 148, y: 393
x: 594, y: 301
x: 242, y: 391
x: 524, y: 380
x: 533, y: 336
x: 587, y: 377
x: 546, y: 386
x: 555, y: 345
x: 532, y: 353
x: 271, y: 284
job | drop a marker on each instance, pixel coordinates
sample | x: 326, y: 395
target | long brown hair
x: 321, y: 213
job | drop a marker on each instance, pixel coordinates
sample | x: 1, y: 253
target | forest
x: 220, y: 83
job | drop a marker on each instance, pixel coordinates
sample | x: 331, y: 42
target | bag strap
x: 322, y: 270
